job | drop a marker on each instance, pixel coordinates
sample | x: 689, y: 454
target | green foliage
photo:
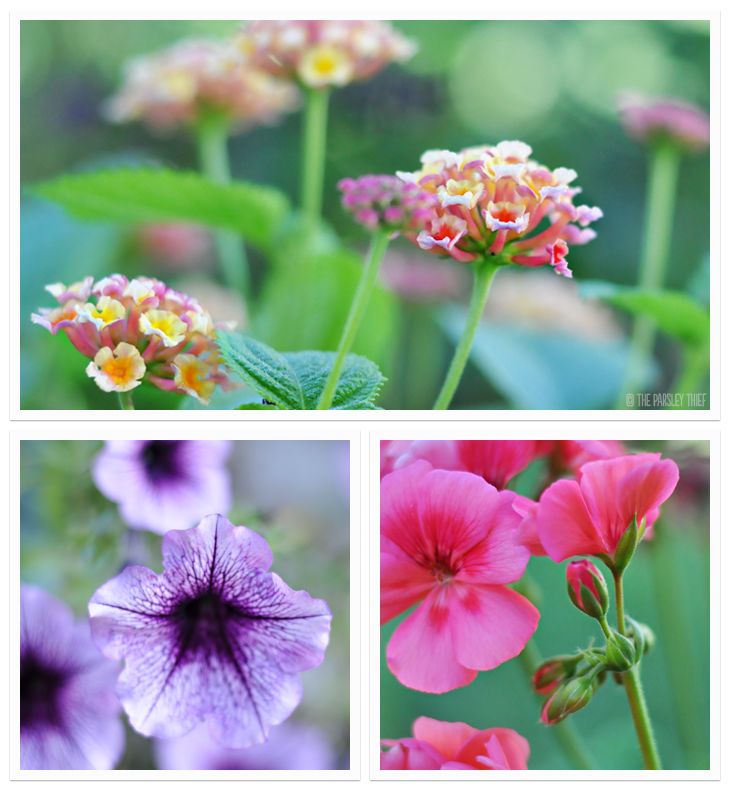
x: 675, y: 313
x: 138, y: 195
x: 295, y: 380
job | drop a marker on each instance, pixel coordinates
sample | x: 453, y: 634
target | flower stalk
x: 635, y: 691
x: 212, y: 133
x: 313, y: 152
x: 378, y: 246
x: 484, y: 272
x: 663, y: 174
x: 125, y: 401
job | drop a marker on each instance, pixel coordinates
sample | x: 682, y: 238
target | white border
x: 555, y: 431
x: 214, y: 9
x: 176, y: 431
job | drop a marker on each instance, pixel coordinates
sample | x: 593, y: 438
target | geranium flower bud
x: 620, y: 652
x: 643, y: 636
x: 587, y: 588
x: 551, y: 673
x: 568, y: 698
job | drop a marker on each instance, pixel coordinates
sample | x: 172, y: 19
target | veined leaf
x: 139, y: 195
x: 295, y: 380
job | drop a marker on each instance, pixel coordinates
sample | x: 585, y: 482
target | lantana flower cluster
x: 323, y: 53
x: 194, y: 77
x: 135, y: 330
x: 496, y: 200
x: 387, y: 203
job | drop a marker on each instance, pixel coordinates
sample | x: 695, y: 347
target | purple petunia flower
x: 161, y: 485
x: 291, y: 747
x: 216, y: 638
x: 69, y: 714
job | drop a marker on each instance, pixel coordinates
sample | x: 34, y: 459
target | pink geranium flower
x: 589, y: 515
x: 449, y: 543
x: 496, y: 461
x: 457, y: 746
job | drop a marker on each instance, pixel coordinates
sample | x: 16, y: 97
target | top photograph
x: 365, y: 215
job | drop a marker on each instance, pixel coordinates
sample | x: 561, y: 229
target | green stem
x: 213, y: 156
x: 125, y: 401
x: 661, y: 196
x: 368, y: 278
x: 484, y: 272
x: 565, y: 733
x: 313, y: 152
x: 635, y: 692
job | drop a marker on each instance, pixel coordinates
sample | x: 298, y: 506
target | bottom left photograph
x: 184, y: 605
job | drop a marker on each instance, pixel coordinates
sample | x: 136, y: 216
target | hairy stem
x: 635, y: 692
x: 484, y: 272
x: 660, y: 200
x: 213, y: 156
x: 368, y: 278
x: 313, y: 152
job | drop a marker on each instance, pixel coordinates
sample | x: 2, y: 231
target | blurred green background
x: 552, y: 84
x: 294, y: 493
x: 666, y: 587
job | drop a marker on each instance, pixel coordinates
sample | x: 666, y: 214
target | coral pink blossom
x: 456, y: 746
x: 589, y: 516
x: 572, y: 455
x: 449, y: 544
x: 496, y: 461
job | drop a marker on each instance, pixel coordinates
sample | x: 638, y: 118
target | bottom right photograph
x: 545, y: 605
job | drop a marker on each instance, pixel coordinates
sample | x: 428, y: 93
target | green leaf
x: 139, y: 195
x: 674, y: 312
x: 295, y: 380
x: 262, y: 368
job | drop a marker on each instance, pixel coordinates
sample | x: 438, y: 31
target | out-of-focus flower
x: 497, y: 461
x: 447, y: 745
x: 587, y: 588
x: 494, y: 201
x: 665, y: 120
x: 448, y: 543
x: 323, y: 53
x: 69, y: 714
x: 420, y: 279
x: 544, y: 303
x: 386, y: 203
x: 591, y: 514
x: 194, y: 78
x: 161, y: 485
x: 137, y: 330
x: 290, y: 747
x: 175, y: 245
x: 216, y: 639
x: 572, y: 454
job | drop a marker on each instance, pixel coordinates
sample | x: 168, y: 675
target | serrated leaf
x: 295, y: 380
x: 262, y: 368
x: 359, y: 385
x: 674, y: 312
x: 139, y: 195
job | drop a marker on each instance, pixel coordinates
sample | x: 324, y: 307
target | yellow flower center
x: 120, y: 369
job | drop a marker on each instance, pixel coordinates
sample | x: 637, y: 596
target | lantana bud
x: 587, y: 588
x: 620, y: 652
x: 386, y: 203
x: 568, y: 698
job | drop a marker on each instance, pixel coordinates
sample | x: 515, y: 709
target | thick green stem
x: 368, y: 278
x: 566, y: 735
x: 125, y: 401
x: 484, y: 272
x: 635, y: 692
x: 661, y: 196
x: 313, y: 152
x: 213, y: 156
